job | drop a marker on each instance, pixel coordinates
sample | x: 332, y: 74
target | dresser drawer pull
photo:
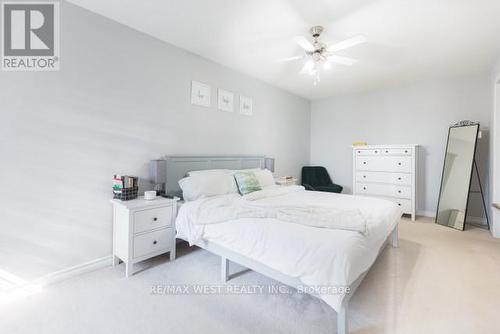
x: 399, y: 163
x: 155, y: 242
x: 399, y: 178
x: 406, y: 151
x: 364, y: 188
x: 399, y: 204
x: 364, y: 176
x: 386, y: 151
x: 155, y: 219
x: 364, y: 162
x: 399, y: 191
x: 376, y: 151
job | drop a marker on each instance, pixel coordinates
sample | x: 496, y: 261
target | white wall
x: 120, y: 99
x: 417, y: 113
x: 495, y: 148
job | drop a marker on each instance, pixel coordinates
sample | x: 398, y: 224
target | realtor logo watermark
x: 30, y: 36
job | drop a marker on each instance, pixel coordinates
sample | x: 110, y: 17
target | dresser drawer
x: 388, y: 190
x: 384, y: 164
x: 153, y: 218
x: 396, y: 151
x: 374, y: 151
x: 153, y: 242
x: 404, y: 204
x: 384, y: 177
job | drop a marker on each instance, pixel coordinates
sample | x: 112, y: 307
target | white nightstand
x: 143, y: 229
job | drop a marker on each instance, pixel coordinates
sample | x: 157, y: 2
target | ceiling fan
x: 319, y: 54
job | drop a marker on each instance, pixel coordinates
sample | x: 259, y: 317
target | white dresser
x: 387, y: 171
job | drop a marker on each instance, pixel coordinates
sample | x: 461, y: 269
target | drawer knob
x: 359, y: 151
x: 155, y: 219
x: 399, y: 191
x: 399, y: 178
x: 386, y: 151
x: 364, y: 176
x: 399, y: 163
x: 399, y: 204
x: 364, y: 188
x: 376, y: 151
x: 406, y: 151
x: 155, y: 242
x: 364, y: 162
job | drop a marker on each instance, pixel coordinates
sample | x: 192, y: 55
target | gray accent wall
x: 411, y: 113
x: 120, y: 99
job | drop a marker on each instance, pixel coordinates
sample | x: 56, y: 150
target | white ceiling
x: 408, y: 39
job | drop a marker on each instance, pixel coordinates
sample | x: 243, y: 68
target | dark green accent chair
x: 316, y: 178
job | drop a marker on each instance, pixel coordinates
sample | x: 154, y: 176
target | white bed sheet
x: 318, y: 257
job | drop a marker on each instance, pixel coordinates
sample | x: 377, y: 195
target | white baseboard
x: 70, y: 272
x: 431, y: 214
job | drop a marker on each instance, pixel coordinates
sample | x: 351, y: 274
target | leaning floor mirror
x: 457, y: 175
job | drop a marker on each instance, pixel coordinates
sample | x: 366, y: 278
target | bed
x: 282, y: 232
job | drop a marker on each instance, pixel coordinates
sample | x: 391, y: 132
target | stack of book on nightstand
x: 125, y: 187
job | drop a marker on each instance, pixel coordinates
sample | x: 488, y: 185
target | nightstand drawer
x: 154, y: 218
x: 152, y: 242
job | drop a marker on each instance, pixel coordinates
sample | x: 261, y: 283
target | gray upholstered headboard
x: 179, y: 166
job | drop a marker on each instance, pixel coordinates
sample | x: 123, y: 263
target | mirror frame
x: 459, y: 125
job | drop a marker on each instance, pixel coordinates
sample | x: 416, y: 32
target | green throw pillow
x: 247, y: 182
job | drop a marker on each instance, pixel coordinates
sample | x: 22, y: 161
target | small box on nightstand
x: 143, y: 229
x: 286, y: 181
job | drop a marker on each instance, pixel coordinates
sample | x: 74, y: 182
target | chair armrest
x: 338, y: 187
x: 307, y: 186
x: 333, y: 188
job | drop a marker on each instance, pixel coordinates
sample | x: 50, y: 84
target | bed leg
x: 342, y: 325
x: 224, y: 269
x: 395, y: 237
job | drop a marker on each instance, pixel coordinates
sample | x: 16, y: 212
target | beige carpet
x: 438, y: 281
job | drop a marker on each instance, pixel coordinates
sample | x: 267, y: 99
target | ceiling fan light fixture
x: 316, y: 31
x: 320, y: 56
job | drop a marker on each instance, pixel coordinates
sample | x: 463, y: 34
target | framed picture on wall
x: 246, y: 105
x: 225, y: 100
x: 200, y: 94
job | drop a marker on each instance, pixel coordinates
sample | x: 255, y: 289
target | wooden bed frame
x: 177, y: 168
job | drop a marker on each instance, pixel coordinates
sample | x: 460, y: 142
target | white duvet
x: 220, y: 209
x: 320, y: 254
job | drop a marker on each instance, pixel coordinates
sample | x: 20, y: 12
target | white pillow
x: 265, y: 177
x: 206, y: 185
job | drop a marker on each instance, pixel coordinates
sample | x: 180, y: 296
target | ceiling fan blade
x: 289, y: 59
x: 347, y: 43
x: 342, y: 60
x: 304, y: 43
x: 308, y: 67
